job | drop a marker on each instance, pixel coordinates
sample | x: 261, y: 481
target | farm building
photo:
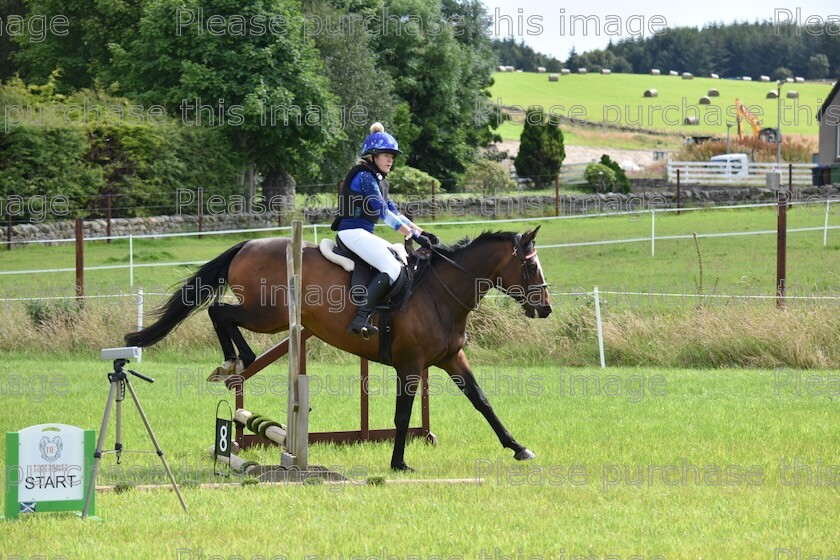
x: 829, y: 156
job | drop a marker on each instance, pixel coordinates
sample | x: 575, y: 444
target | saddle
x: 361, y: 273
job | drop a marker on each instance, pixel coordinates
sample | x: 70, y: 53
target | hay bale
x: 565, y: 71
x: 501, y: 68
x: 651, y: 93
x: 509, y: 68
x: 541, y: 69
x: 582, y: 70
x: 715, y: 76
x: 691, y: 121
x: 673, y: 73
x: 713, y: 93
x: 705, y: 100
x: 606, y: 71
x: 553, y: 78
x: 687, y: 76
x: 800, y: 80
x: 746, y: 78
x: 764, y: 78
x: 793, y: 94
x: 655, y: 72
x: 772, y: 94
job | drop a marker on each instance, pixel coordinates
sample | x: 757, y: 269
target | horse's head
x: 525, y: 283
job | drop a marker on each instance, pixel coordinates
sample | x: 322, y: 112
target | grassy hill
x: 618, y: 99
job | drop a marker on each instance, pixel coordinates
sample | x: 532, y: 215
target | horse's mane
x: 485, y: 237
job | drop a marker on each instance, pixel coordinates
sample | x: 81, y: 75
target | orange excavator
x: 743, y: 114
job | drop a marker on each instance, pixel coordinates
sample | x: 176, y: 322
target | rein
x: 523, y: 260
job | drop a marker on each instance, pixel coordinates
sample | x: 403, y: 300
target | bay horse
x: 429, y: 330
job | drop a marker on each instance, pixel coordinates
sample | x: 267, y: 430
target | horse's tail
x: 208, y: 283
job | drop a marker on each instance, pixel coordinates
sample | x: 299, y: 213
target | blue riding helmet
x: 380, y: 142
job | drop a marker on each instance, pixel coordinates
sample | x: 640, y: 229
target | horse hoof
x: 402, y: 467
x: 524, y: 455
x: 222, y: 372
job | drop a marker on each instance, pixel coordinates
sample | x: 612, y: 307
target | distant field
x: 618, y: 99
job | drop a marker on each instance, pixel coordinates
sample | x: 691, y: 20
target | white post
x: 297, y: 409
x: 825, y: 227
x: 130, y: 260
x: 315, y: 232
x: 600, y: 328
x: 652, y: 232
x: 140, y: 319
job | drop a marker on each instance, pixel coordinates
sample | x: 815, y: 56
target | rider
x: 363, y: 200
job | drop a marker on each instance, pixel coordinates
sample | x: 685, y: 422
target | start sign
x: 48, y: 469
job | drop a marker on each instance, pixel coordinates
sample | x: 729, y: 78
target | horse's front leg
x: 407, y: 383
x: 459, y: 370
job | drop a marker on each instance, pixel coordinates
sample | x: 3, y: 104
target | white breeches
x: 373, y: 250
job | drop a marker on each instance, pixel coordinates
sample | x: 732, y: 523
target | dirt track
x: 585, y: 154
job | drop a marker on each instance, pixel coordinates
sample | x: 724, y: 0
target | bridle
x: 524, y: 261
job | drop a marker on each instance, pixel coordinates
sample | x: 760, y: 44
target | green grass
x: 735, y: 419
x: 618, y: 99
x: 731, y: 265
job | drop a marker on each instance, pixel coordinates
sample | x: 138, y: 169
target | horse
x: 429, y: 330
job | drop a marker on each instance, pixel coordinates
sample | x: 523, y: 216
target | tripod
x: 119, y: 381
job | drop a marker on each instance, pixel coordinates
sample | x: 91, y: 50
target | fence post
x: 200, y: 211
x: 599, y: 327
x: 557, y: 195
x: 140, y: 320
x: 678, y: 192
x: 652, y: 232
x: 315, y: 232
x: 825, y: 227
x: 781, y: 248
x: 8, y: 230
x: 130, y: 260
x: 108, y: 218
x: 80, y: 258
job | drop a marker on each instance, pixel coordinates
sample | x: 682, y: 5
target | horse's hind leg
x: 459, y: 370
x: 224, y: 317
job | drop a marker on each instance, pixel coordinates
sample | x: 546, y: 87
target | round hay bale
x: 692, y: 121
x: 687, y: 76
x: 772, y: 94
x: 565, y: 71
x: 582, y: 70
x: 501, y: 68
x: 713, y: 93
x: 800, y: 80
x: 553, y: 78
x: 746, y: 78
x: 541, y: 69
x: 764, y: 78
x: 606, y: 71
x: 509, y: 69
x: 792, y: 94
x: 655, y: 72
x: 673, y: 73
x: 705, y: 100
x: 651, y: 93
x: 715, y: 76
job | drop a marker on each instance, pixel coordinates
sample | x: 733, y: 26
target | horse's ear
x: 528, y: 236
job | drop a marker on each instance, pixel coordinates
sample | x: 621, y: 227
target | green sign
x: 48, y: 468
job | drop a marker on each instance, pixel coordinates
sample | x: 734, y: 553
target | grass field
x: 731, y: 265
x: 680, y: 464
x: 618, y: 100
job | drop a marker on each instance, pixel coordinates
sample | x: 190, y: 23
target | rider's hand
x: 432, y: 237
x: 424, y: 241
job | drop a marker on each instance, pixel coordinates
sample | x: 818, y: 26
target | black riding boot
x: 376, y: 290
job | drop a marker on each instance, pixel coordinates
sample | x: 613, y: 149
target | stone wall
x: 647, y: 194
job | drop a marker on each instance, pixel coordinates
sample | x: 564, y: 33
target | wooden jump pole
x: 297, y: 427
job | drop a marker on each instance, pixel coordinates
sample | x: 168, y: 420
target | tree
x: 266, y: 90
x: 443, y: 72
x: 818, y: 66
x: 781, y: 73
x: 541, y: 149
